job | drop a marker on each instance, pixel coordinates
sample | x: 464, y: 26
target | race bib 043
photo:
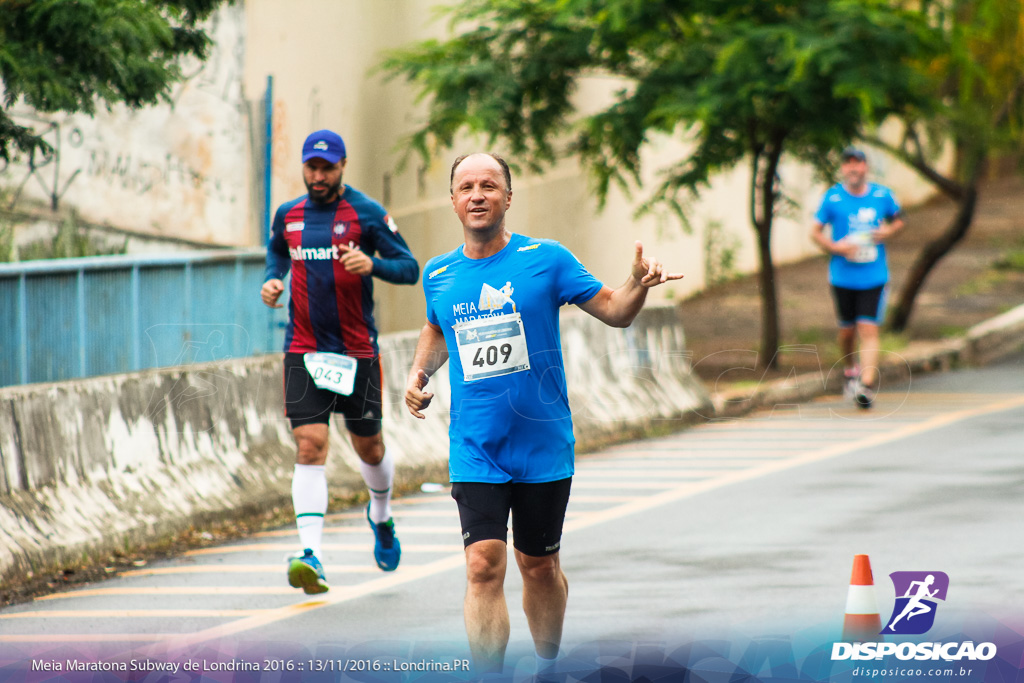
x: 332, y: 371
x: 491, y: 347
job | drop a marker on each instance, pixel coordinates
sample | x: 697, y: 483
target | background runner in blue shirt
x: 862, y: 217
x: 492, y: 311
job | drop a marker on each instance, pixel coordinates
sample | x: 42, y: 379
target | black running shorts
x: 859, y: 305
x: 538, y: 512
x: 305, y: 403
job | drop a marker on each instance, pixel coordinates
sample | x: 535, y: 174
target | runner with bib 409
x: 492, y: 310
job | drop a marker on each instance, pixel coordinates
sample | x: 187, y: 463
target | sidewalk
x: 971, y: 286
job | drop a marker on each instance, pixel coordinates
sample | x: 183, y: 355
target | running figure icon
x: 917, y: 595
x: 915, y: 605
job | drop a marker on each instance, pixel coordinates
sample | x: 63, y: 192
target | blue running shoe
x: 387, y: 550
x: 306, y: 572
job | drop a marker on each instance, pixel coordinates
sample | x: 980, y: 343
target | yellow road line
x: 693, y: 488
x: 690, y: 449
x: 285, y: 547
x: 592, y: 519
x: 682, y: 463
x: 409, y: 574
x: 615, y: 473
x: 403, y: 530
x: 632, y: 485
x: 392, y: 580
x: 88, y: 638
x: 401, y: 514
x: 132, y: 613
x: 278, y: 568
x: 175, y: 590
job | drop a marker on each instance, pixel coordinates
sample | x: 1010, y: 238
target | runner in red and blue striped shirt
x: 334, y: 240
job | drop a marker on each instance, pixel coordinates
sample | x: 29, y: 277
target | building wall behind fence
x: 90, y: 466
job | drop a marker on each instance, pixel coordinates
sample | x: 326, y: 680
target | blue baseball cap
x: 853, y: 153
x: 323, y: 144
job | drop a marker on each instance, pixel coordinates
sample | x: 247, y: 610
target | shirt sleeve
x: 893, y: 209
x: 279, y: 262
x: 394, y: 262
x: 431, y: 314
x: 574, y: 283
x: 822, y: 215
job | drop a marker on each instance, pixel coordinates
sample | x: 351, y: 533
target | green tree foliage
x: 741, y: 81
x: 979, y: 79
x: 71, y: 55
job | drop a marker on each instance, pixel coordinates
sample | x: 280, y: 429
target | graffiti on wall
x: 174, y: 169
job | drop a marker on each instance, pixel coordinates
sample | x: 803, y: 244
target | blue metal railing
x: 69, y: 318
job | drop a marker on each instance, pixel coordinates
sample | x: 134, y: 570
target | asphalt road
x: 737, y: 529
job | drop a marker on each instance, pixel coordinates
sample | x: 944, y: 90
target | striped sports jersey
x: 331, y: 309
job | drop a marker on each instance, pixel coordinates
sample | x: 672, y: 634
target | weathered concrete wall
x: 177, y: 169
x: 90, y: 466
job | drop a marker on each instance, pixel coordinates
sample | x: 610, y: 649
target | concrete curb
x: 92, y: 466
x: 984, y: 343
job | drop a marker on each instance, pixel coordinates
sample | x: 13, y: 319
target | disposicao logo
x: 913, y: 613
x: 916, y: 596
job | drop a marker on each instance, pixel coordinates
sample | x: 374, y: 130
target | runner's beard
x: 321, y: 196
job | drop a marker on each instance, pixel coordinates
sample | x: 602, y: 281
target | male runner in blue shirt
x: 863, y: 216
x: 327, y: 239
x: 492, y: 309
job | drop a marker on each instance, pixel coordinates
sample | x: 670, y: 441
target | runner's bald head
x: 505, y: 172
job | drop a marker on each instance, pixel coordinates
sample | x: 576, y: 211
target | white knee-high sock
x: 309, y: 496
x: 379, y: 479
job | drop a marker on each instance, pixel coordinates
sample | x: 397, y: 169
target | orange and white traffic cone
x: 862, y: 622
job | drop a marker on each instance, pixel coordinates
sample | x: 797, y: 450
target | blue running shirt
x: 851, y: 215
x: 507, y: 423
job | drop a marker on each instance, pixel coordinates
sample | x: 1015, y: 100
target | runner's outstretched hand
x: 648, y: 271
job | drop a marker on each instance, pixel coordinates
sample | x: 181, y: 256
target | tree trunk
x: 769, y: 352
x: 763, y: 194
x: 933, y: 252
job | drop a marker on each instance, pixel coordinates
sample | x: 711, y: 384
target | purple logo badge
x: 916, y: 595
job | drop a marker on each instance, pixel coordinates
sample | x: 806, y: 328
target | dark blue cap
x: 853, y: 153
x: 323, y: 144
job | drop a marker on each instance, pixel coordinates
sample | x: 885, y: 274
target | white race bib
x: 332, y: 371
x: 491, y: 347
x: 867, y: 249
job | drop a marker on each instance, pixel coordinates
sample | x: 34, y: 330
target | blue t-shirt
x: 507, y: 423
x: 858, y: 217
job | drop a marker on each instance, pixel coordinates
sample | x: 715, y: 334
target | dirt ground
x: 972, y: 284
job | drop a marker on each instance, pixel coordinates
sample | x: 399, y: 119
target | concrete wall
x: 176, y: 169
x: 90, y: 466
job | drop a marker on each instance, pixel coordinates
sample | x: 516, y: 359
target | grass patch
x: 952, y: 331
x: 893, y: 341
x: 983, y: 283
x: 815, y: 336
x: 1011, y: 261
x: 72, y: 240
